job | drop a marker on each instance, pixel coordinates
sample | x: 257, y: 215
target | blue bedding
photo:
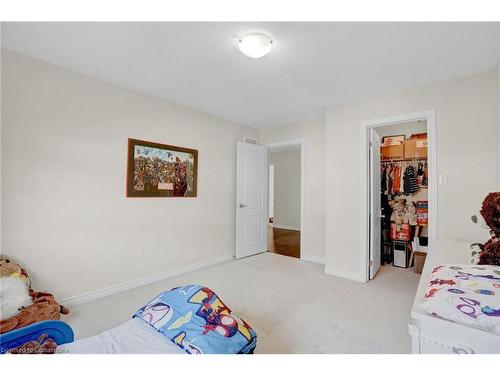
x: 195, y: 319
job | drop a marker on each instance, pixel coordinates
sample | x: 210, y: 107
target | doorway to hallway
x: 285, y: 198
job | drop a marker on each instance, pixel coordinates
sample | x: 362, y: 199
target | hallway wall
x: 286, y: 194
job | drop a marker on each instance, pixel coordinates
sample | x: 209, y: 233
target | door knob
x: 242, y: 205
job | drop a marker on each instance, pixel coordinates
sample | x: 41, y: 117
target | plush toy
x: 411, y: 213
x: 403, y: 211
x: 43, y: 307
x: 14, y: 296
x: 489, y: 218
x: 20, y: 305
x: 14, y: 288
x: 9, y: 267
x: 398, y: 206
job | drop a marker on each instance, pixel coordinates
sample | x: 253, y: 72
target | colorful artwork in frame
x: 158, y: 170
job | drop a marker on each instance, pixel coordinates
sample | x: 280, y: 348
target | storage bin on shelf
x: 422, y: 208
x: 400, y: 232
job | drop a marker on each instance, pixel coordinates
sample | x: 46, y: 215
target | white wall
x: 313, y: 227
x: 466, y: 111
x: 271, y: 191
x: 497, y: 71
x: 1, y: 144
x: 286, y: 208
x: 64, y: 160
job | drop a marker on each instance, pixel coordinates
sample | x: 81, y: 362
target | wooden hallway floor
x: 284, y: 242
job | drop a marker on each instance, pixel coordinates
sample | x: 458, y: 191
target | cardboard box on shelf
x: 415, y: 148
x: 418, y: 136
x: 392, y: 152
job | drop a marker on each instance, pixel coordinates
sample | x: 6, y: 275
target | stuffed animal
x: 411, y: 213
x: 14, y: 288
x: 19, y: 304
x: 14, y: 296
x: 43, y: 307
x: 9, y: 267
x: 489, y: 218
x: 398, y: 206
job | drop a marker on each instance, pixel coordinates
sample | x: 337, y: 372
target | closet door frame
x: 430, y: 117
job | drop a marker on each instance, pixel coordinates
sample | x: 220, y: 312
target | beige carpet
x: 291, y: 304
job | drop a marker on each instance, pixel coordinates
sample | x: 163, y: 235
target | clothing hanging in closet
x: 403, y: 177
x: 410, y: 180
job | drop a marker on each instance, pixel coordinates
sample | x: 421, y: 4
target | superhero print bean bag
x: 195, y: 319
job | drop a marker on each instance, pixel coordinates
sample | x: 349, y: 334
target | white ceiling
x: 313, y: 66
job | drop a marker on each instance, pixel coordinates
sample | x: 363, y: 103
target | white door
x: 375, y: 204
x: 251, y: 199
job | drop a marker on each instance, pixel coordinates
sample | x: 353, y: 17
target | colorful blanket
x: 465, y: 294
x: 195, y: 319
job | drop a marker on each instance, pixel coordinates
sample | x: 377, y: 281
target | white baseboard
x: 289, y: 227
x: 122, y: 287
x: 344, y: 274
x: 312, y: 258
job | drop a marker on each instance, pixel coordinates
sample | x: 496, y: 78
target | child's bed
x: 189, y: 319
x: 457, y: 310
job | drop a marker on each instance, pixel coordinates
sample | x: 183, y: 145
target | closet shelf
x: 403, y: 159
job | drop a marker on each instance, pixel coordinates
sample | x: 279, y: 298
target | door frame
x: 294, y: 142
x: 372, y: 153
x: 430, y: 117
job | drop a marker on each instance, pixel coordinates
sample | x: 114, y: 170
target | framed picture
x: 158, y: 170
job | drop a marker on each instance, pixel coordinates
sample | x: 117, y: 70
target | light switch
x: 443, y: 179
x: 140, y: 253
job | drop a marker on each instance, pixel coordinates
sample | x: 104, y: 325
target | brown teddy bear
x: 490, y: 218
x: 43, y: 306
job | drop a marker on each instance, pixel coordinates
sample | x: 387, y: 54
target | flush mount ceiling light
x: 255, y: 45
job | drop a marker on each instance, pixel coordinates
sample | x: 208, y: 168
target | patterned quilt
x: 194, y: 318
x: 465, y: 294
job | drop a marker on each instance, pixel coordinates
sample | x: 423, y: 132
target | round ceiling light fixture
x: 255, y: 45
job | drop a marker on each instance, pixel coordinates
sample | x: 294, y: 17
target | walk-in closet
x: 404, y: 182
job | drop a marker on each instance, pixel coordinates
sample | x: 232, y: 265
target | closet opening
x: 401, y: 195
